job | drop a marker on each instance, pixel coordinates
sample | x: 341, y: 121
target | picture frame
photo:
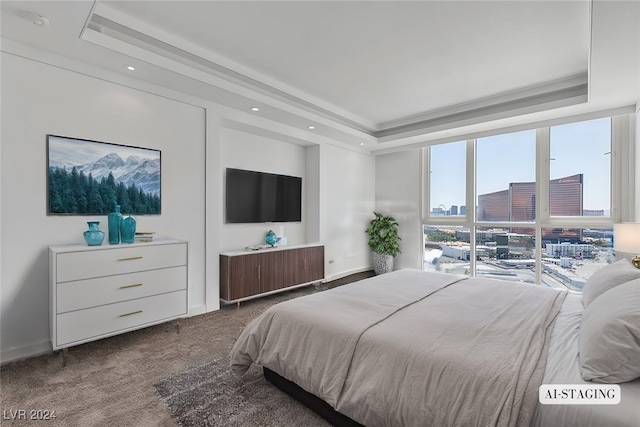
x: 86, y: 177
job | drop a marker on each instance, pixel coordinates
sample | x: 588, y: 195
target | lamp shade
x: 626, y: 237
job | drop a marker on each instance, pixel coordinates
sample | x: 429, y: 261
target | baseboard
x: 25, y: 352
x: 347, y: 273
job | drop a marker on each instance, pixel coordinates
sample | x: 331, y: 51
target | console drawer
x: 118, y: 260
x: 88, y: 293
x: 99, y: 322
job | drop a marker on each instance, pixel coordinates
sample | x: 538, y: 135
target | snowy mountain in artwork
x: 143, y: 173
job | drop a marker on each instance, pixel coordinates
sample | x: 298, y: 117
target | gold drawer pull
x: 130, y: 259
x: 130, y: 286
x: 129, y: 314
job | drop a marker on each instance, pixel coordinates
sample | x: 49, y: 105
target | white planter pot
x: 382, y: 263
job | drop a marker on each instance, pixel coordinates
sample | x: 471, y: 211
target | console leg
x: 177, y: 326
x: 65, y: 353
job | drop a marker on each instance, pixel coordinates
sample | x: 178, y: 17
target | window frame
x: 622, y: 191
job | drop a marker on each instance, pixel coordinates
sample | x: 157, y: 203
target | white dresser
x: 99, y: 291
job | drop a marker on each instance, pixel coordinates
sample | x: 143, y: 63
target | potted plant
x: 383, y: 241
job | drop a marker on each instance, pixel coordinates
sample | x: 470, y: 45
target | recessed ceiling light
x: 255, y: 109
x: 130, y: 67
x: 41, y: 21
x: 362, y: 143
x: 312, y: 127
x: 36, y: 19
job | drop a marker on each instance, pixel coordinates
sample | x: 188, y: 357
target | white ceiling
x: 383, y: 61
x: 386, y: 73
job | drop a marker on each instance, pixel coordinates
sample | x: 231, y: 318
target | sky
x: 582, y: 147
x: 70, y: 151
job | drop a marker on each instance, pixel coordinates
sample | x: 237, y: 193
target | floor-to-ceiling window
x: 535, y: 206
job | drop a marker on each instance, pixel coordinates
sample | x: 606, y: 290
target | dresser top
x: 75, y: 247
x: 269, y: 249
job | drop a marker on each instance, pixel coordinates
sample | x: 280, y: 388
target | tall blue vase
x: 114, y: 220
x: 128, y: 229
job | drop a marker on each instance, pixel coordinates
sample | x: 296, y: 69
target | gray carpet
x: 110, y: 382
x: 209, y: 394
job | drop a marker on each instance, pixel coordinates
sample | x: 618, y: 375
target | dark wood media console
x: 251, y: 274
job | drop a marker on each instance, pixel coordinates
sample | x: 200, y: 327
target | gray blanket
x: 412, y: 348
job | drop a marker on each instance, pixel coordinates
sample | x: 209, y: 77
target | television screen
x: 252, y: 197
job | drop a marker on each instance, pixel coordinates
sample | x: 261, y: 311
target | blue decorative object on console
x: 93, y: 236
x: 271, y: 238
x: 115, y: 219
x: 128, y: 230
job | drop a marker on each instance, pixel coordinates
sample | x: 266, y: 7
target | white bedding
x: 470, y: 354
x: 563, y: 368
x: 311, y: 340
x: 413, y: 348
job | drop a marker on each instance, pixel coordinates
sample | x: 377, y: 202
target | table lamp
x: 626, y: 238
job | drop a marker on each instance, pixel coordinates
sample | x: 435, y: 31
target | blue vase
x: 93, y: 236
x: 128, y: 229
x: 115, y: 218
x: 271, y: 238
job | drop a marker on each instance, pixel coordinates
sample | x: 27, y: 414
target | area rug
x: 209, y: 394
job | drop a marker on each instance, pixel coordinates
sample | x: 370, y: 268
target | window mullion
x: 543, y: 176
x: 471, y: 201
x: 543, y: 159
x: 426, y: 187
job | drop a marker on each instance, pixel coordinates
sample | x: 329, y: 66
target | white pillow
x: 606, y: 278
x: 609, y: 340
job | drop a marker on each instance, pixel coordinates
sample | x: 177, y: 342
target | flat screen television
x: 253, y: 197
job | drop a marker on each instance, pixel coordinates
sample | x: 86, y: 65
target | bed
x: 414, y: 348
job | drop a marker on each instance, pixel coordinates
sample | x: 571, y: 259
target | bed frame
x: 309, y: 400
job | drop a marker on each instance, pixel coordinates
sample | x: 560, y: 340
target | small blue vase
x: 93, y: 236
x: 115, y: 218
x: 271, y: 238
x: 128, y: 230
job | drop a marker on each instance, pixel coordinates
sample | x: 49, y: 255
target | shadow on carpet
x: 209, y: 394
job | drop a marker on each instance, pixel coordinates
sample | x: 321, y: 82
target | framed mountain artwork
x: 90, y: 178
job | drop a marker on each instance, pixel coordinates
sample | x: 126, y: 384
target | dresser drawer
x: 99, y: 322
x: 118, y: 260
x: 88, y: 293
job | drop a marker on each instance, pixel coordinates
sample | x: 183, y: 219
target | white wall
x: 39, y: 99
x: 197, y: 143
x: 637, y: 157
x: 338, y: 197
x: 347, y: 203
x: 312, y: 187
x: 398, y: 193
x: 244, y: 150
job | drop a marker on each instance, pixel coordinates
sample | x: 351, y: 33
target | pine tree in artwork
x: 76, y: 193
x: 93, y: 195
x: 123, y: 199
